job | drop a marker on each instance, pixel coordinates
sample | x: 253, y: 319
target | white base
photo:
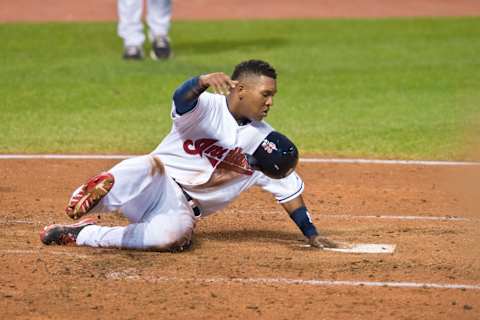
x: 362, y: 248
x: 365, y: 248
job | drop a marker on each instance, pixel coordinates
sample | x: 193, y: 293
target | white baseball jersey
x: 204, y: 152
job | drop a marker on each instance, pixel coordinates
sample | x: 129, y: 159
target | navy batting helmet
x: 276, y: 156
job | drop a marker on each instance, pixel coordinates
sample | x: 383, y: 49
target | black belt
x: 196, y: 209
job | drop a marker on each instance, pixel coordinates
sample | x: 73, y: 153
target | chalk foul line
x: 320, y: 216
x: 428, y: 218
x: 286, y: 281
x: 56, y: 253
x: 396, y: 162
x: 305, y: 160
x: 131, y: 276
x: 376, y: 216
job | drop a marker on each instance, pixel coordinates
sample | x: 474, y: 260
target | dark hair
x: 254, y: 67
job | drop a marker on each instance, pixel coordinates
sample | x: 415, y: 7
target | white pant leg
x: 159, y: 13
x: 154, y: 203
x: 130, y: 26
x: 133, y: 192
x: 162, y: 232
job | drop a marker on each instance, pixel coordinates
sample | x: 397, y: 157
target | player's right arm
x: 298, y: 212
x: 186, y: 96
x: 288, y: 192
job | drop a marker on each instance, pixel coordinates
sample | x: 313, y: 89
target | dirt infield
x: 105, y: 10
x: 245, y: 258
x: 247, y: 261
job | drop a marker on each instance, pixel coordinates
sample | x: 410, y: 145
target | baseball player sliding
x: 218, y: 147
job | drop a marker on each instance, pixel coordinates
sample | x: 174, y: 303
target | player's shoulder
x: 253, y: 134
x: 261, y: 126
x: 207, y: 103
x: 211, y: 101
x: 212, y: 96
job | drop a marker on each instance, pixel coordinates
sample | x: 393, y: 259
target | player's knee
x: 170, y: 246
x: 167, y: 234
x: 173, y: 243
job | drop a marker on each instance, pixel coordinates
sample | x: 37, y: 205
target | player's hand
x: 218, y: 81
x: 321, y: 242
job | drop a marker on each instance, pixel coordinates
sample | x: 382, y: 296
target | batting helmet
x: 276, y: 156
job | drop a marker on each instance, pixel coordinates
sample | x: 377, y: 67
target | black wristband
x: 304, y: 222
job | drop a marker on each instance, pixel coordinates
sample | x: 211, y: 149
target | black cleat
x: 184, y: 247
x: 161, y: 48
x: 63, y: 234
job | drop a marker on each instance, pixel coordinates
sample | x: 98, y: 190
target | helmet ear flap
x: 252, y: 162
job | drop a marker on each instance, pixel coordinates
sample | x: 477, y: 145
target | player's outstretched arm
x: 299, y: 214
x: 186, y: 96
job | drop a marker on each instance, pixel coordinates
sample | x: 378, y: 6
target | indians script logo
x: 229, y: 159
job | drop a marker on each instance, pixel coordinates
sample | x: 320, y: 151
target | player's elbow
x: 183, y: 101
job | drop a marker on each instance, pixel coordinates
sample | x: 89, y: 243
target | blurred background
x: 375, y: 79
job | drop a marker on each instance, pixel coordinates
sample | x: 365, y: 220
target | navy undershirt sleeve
x: 186, y: 96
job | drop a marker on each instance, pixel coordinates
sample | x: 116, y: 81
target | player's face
x: 257, y: 97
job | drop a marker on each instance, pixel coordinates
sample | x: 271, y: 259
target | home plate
x: 362, y: 248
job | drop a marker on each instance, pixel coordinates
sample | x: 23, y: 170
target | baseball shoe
x: 132, y: 53
x: 89, y: 194
x: 63, y: 234
x: 160, y: 48
x: 185, y: 247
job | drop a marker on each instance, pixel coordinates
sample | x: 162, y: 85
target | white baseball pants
x: 154, y: 204
x: 130, y: 26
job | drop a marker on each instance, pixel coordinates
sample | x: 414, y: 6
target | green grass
x: 404, y: 88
